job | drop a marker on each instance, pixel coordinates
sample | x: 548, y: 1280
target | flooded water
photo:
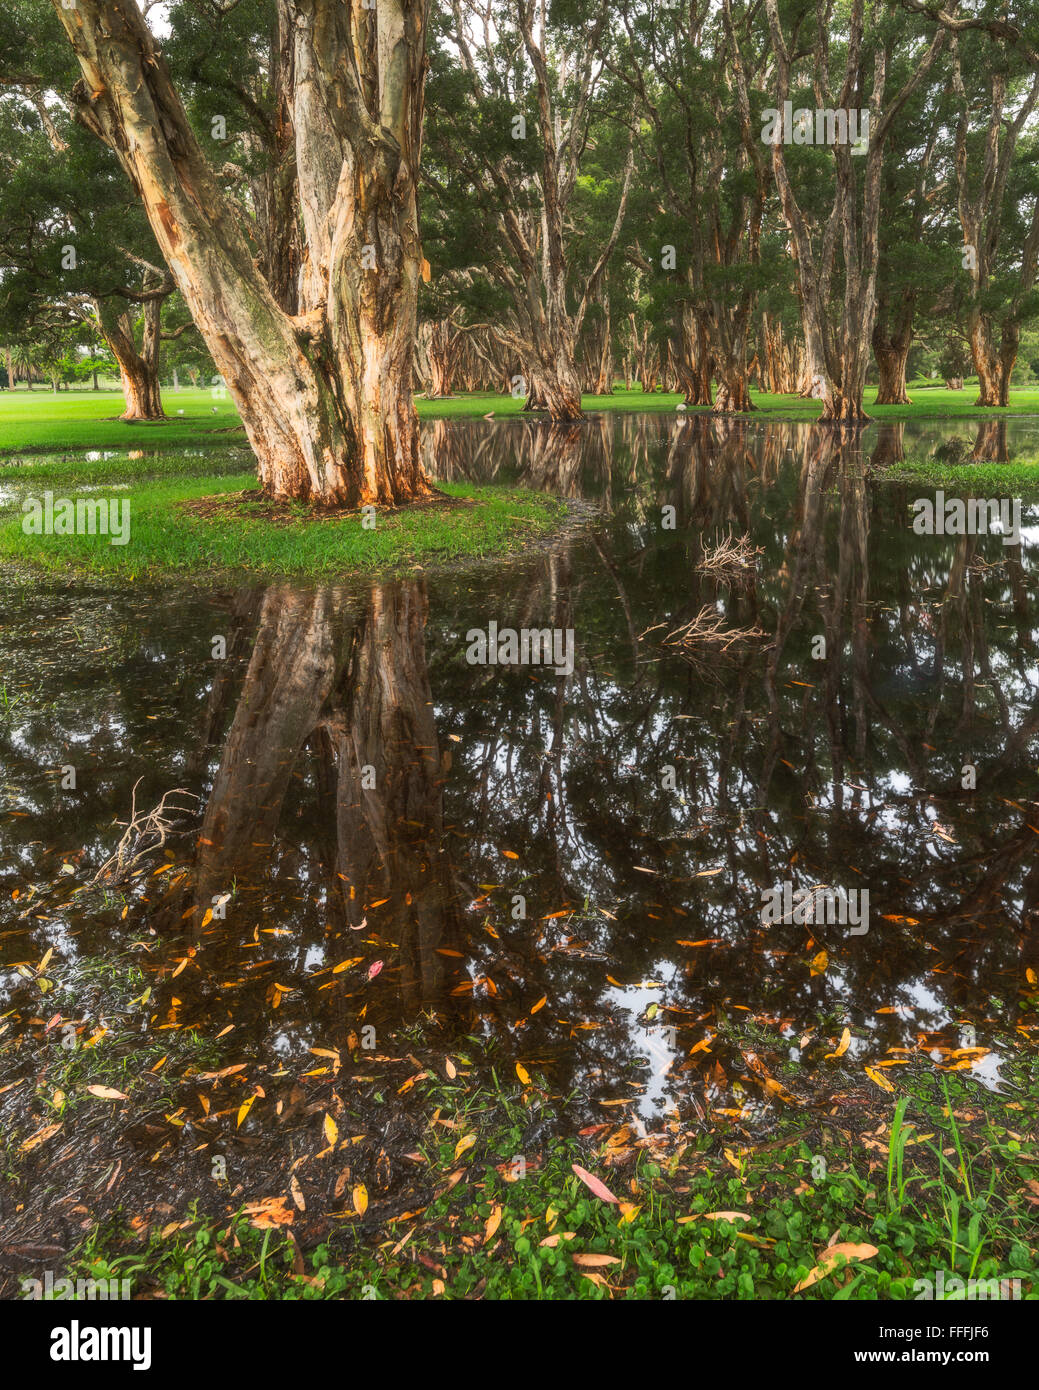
x: 377, y: 833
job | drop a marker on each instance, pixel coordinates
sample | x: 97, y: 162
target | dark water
x: 367, y: 795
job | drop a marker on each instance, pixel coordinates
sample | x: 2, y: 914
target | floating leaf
x: 331, y: 1130
x: 819, y: 963
x: 360, y: 1199
x: 464, y: 1144
x: 522, y: 1073
x: 879, y: 1079
x: 243, y: 1110
x: 842, y: 1046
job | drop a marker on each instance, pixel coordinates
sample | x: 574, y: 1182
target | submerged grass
x: 167, y: 535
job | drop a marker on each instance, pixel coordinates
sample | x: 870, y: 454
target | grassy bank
x: 172, y: 529
x: 978, y: 479
x: 442, y: 1167
x: 816, y: 1212
x: 39, y: 421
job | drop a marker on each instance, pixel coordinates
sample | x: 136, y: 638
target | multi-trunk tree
x: 514, y: 118
x: 847, y: 73
x: 324, y: 393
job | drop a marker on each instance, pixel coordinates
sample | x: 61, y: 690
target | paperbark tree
x: 325, y: 395
x: 138, y: 365
x: 841, y: 345
x: 508, y: 66
x: 983, y: 203
x: 691, y: 70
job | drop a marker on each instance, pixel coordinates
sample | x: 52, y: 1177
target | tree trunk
x: 986, y: 361
x: 325, y: 396
x: 892, y: 354
x: 443, y: 358
x: 604, y: 379
x: 694, y: 359
x: 733, y: 395
x: 138, y: 371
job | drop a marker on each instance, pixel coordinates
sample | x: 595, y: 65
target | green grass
x: 40, y: 421
x: 31, y: 421
x: 940, y: 1189
x: 165, y: 537
x: 979, y: 479
x: 927, y: 402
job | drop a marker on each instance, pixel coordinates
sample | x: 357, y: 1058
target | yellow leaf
x: 629, y: 1211
x: 879, y: 1078
x: 360, y: 1199
x: 831, y: 1258
x: 107, y: 1093
x: 40, y: 1137
x: 244, y: 1109
x: 492, y: 1223
x: 522, y: 1073
x: 540, y: 1004
x: 464, y: 1144
x: 819, y: 963
x: 842, y: 1046
x: 208, y: 917
x: 331, y: 1130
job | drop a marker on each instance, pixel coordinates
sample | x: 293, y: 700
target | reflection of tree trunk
x: 552, y: 460
x: 391, y: 821
x: 361, y: 720
x: 990, y: 445
x: 289, y: 678
x: 890, y: 447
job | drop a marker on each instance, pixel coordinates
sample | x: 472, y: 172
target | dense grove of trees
x: 332, y: 205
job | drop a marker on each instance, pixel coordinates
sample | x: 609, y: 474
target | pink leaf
x: 592, y: 1182
x: 374, y: 969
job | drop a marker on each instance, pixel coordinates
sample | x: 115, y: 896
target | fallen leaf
x: 492, y: 1223
x: 593, y: 1183
x: 842, y: 1046
x: 107, y: 1093
x: 831, y: 1258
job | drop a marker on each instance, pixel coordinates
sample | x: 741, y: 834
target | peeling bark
x: 325, y: 396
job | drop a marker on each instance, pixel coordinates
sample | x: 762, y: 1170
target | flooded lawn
x: 693, y: 886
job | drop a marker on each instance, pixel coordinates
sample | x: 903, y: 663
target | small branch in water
x: 708, y: 629
x: 729, y: 557
x: 145, y: 831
